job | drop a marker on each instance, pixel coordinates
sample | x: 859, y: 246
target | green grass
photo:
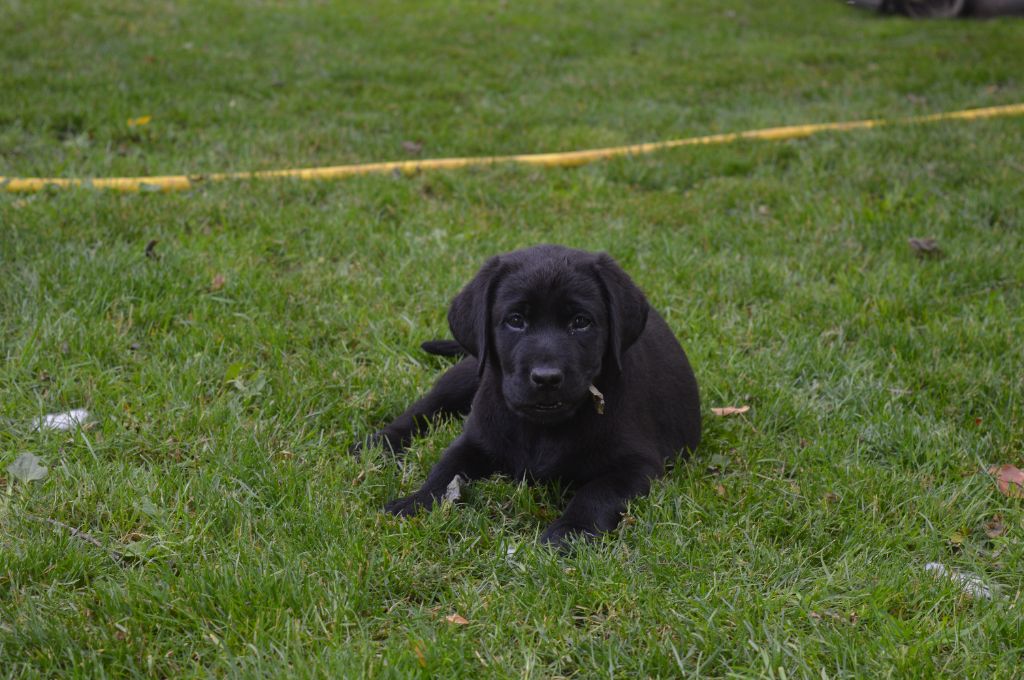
x: 793, y: 544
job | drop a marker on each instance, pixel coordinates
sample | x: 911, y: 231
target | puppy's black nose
x: 546, y: 378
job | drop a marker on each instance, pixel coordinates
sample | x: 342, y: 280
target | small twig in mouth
x: 598, y: 400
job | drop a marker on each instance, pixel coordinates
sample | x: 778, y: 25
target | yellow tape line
x: 569, y: 158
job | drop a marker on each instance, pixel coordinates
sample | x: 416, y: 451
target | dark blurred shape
x: 931, y: 9
x: 996, y: 8
x: 944, y: 9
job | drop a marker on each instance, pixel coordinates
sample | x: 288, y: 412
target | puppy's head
x: 550, y: 320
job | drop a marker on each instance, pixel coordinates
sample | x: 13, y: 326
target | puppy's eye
x: 516, y: 322
x: 580, y: 323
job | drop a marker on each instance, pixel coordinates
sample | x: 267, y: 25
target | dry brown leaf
x: 1009, y: 479
x: 456, y: 619
x: 417, y: 649
x: 924, y: 246
x: 412, y: 147
x: 730, y: 410
x: 217, y: 283
x: 720, y: 490
x: 994, y: 527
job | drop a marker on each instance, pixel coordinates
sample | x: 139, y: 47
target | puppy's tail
x: 443, y: 348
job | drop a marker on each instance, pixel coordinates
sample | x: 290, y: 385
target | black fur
x: 443, y: 348
x: 540, y: 326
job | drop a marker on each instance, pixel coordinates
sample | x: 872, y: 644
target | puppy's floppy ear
x: 627, y: 308
x: 469, y: 316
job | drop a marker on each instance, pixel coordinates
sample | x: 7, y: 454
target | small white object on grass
x: 63, y: 421
x: 454, y: 490
x: 971, y: 584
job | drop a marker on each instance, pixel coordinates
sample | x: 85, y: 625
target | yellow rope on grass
x: 559, y: 159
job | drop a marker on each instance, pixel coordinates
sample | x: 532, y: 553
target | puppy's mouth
x: 546, y: 412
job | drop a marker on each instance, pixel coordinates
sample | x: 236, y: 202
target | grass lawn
x: 227, y: 376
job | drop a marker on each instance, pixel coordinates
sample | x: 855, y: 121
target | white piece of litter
x: 454, y: 490
x: 63, y: 421
x: 971, y: 584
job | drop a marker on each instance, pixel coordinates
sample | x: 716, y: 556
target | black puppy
x: 570, y: 376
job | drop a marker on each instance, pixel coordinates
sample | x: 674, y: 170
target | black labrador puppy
x: 570, y: 376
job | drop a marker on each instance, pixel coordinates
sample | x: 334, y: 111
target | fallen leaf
x: 717, y: 463
x: 148, y: 507
x: 412, y: 147
x: 830, y: 497
x: 971, y: 584
x: 140, y: 121
x: 217, y: 283
x: 28, y: 468
x: 720, y: 490
x: 994, y: 527
x: 233, y: 371
x: 63, y: 421
x: 924, y: 247
x: 1009, y: 479
x: 417, y: 649
x: 730, y: 410
x: 456, y: 619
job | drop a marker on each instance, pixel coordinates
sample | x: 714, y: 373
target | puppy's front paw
x: 560, y: 533
x: 408, y: 506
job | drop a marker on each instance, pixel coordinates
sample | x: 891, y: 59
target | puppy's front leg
x: 599, y: 504
x: 461, y: 458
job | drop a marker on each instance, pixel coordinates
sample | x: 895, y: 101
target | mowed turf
x: 227, y: 373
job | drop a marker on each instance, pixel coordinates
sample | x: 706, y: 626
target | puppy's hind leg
x: 451, y: 394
